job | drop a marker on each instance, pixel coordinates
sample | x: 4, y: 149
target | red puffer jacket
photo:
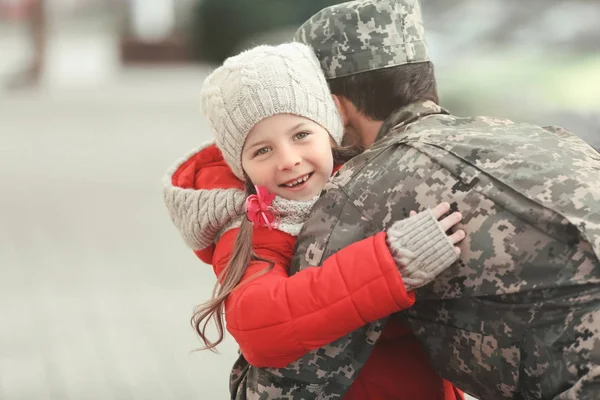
x: 276, y: 318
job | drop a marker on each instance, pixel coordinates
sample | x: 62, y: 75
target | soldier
x: 519, y: 315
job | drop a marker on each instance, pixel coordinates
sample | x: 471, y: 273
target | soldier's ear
x: 342, y: 108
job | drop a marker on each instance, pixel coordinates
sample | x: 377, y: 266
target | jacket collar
x: 407, y: 115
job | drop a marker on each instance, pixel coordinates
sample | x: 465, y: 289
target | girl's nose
x: 289, y: 159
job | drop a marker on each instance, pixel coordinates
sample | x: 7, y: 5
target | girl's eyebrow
x: 252, y: 146
x: 296, y: 127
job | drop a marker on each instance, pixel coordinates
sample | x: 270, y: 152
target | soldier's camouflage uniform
x: 519, y: 315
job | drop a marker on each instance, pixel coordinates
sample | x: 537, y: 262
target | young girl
x: 241, y: 204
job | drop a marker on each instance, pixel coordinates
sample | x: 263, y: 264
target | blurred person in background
x: 34, y: 14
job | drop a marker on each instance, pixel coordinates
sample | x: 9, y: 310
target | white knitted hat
x: 259, y: 83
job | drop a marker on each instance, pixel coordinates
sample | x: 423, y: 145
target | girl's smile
x: 297, y: 183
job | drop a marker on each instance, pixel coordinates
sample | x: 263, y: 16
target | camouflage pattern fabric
x: 387, y: 33
x: 519, y: 315
x: 323, y: 374
x: 299, y: 381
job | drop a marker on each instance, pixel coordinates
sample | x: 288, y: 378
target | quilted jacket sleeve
x: 276, y: 319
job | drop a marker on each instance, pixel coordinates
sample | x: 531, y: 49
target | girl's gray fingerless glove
x: 421, y: 249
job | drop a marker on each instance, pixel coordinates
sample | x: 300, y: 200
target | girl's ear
x: 341, y: 107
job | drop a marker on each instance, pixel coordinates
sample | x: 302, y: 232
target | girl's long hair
x: 241, y: 257
x: 229, y: 279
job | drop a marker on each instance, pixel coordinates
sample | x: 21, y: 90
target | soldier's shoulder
x: 441, y: 123
x: 484, y: 130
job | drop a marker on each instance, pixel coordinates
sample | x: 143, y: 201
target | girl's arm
x: 276, y: 318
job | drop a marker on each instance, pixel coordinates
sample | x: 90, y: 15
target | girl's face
x: 289, y: 155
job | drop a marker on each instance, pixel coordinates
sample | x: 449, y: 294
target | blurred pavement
x: 96, y: 287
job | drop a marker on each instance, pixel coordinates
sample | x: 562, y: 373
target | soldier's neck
x: 367, y: 129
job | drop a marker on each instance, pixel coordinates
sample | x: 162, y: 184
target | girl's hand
x: 422, y: 245
x: 447, y: 223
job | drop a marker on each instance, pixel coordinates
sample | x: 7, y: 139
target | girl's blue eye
x: 302, y: 135
x: 261, y: 151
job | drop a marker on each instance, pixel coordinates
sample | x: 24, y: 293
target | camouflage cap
x: 366, y: 35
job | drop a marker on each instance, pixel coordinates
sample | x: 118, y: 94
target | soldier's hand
x: 447, y: 223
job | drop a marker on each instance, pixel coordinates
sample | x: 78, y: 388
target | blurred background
x: 99, y: 97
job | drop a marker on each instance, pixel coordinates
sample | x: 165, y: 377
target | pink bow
x: 258, y: 207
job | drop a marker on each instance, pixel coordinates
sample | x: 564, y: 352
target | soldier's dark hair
x: 242, y: 255
x: 378, y: 93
